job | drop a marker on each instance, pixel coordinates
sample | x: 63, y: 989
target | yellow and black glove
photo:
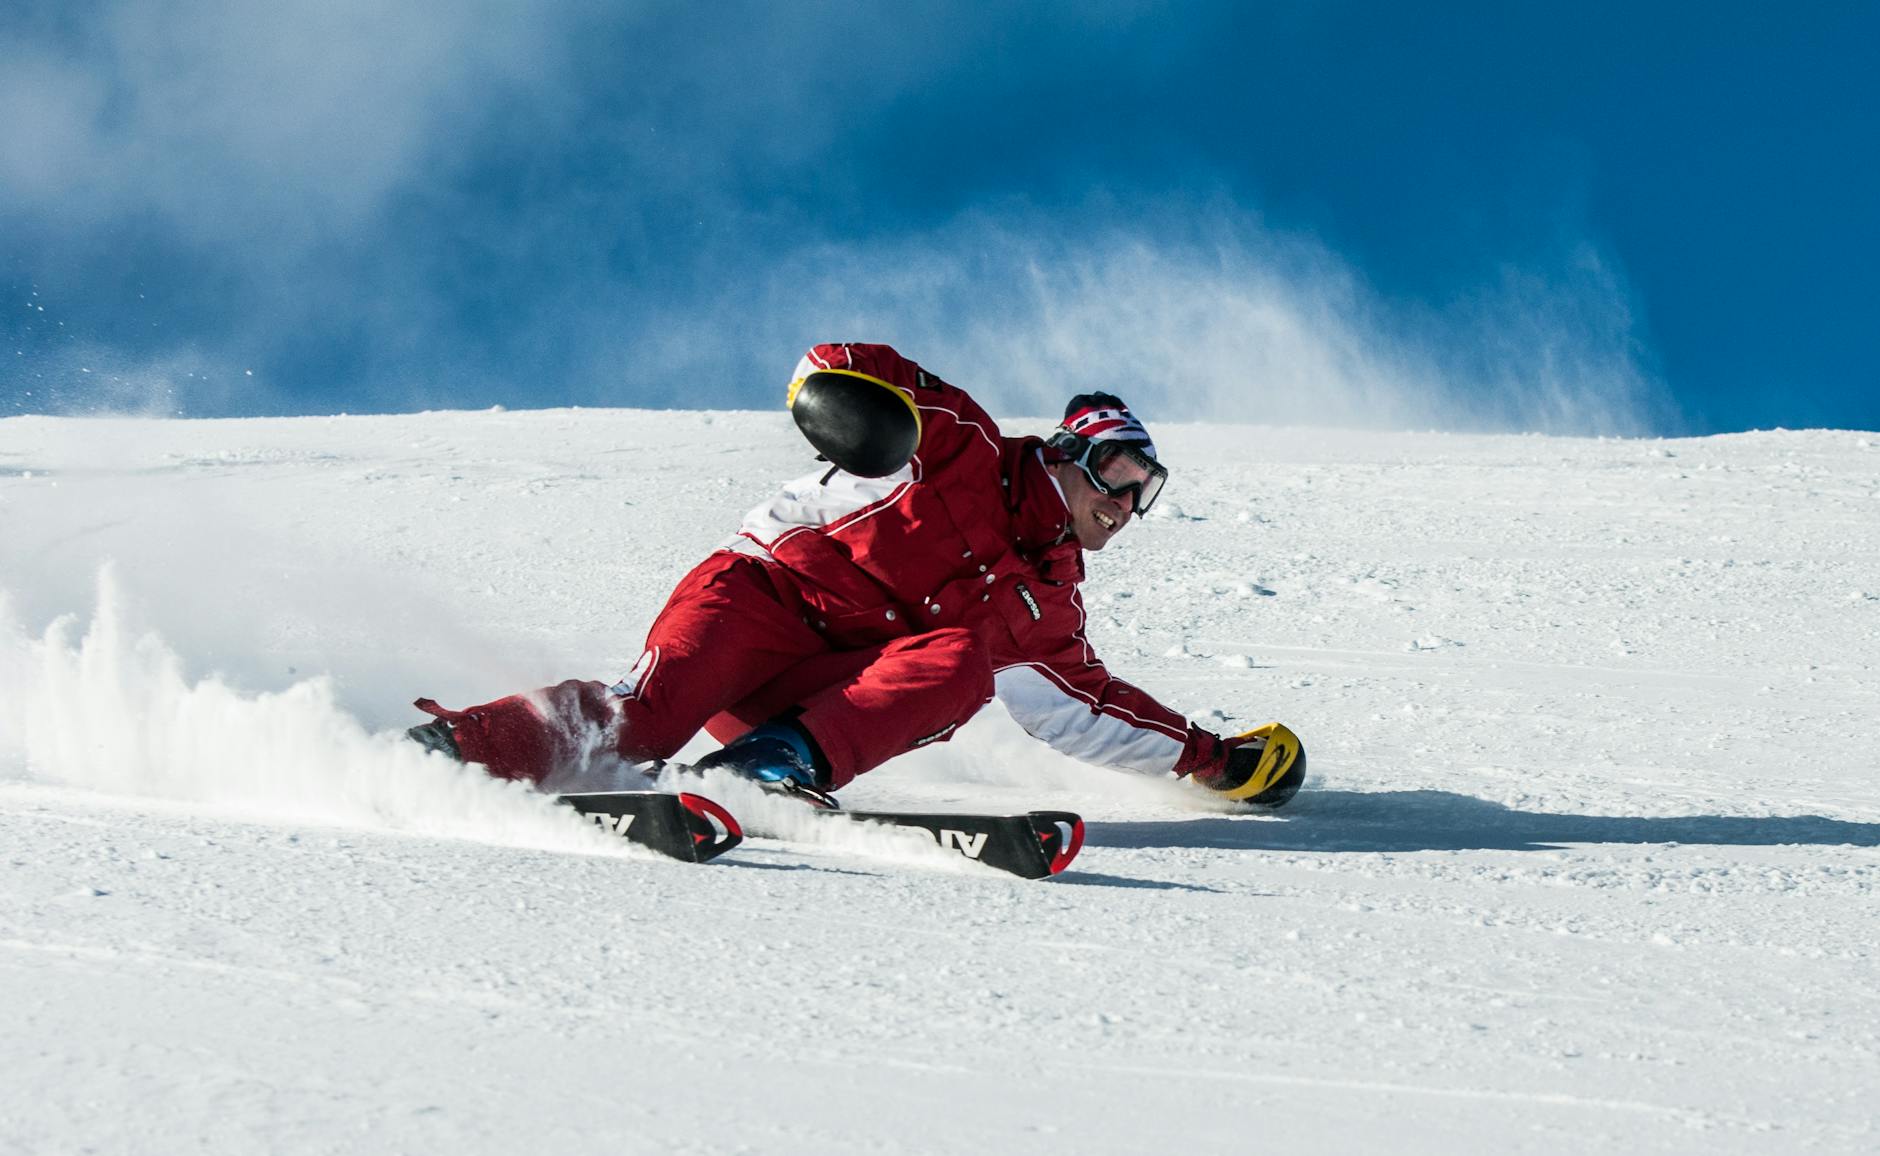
x: 1265, y: 766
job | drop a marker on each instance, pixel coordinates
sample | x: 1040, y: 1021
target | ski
x: 683, y: 826
x: 1034, y: 845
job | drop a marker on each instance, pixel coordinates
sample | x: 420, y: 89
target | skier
x: 873, y: 607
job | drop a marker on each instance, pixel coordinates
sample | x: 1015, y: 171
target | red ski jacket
x: 972, y: 532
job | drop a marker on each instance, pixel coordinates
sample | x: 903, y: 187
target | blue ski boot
x: 781, y: 756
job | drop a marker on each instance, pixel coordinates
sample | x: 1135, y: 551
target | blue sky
x: 1568, y: 217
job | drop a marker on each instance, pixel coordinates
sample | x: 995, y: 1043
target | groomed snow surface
x: 1587, y: 862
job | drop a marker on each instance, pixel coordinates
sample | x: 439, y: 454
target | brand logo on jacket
x: 1031, y: 603
x: 935, y: 737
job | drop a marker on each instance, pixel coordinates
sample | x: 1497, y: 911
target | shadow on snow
x: 1445, y: 821
x: 1098, y: 879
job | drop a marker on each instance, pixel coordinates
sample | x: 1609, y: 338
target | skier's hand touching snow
x: 1264, y: 766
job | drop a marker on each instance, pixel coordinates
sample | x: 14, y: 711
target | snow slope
x: 1588, y: 860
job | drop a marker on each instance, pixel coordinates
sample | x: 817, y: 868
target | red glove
x: 1209, y: 759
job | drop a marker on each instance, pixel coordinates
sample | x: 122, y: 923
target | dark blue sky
x: 1579, y: 217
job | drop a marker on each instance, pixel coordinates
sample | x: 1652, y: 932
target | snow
x: 1589, y: 859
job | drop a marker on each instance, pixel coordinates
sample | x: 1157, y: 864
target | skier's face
x: 1096, y: 517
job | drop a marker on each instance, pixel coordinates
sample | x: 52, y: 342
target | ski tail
x: 1060, y: 836
x: 682, y: 826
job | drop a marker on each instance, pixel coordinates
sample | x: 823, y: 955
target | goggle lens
x: 1116, y: 466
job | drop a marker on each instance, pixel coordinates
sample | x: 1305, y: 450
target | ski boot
x: 779, y: 756
x: 437, y: 737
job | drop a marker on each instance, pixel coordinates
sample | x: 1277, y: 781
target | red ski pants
x: 732, y: 650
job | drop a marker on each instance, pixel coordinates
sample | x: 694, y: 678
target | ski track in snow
x: 1589, y: 859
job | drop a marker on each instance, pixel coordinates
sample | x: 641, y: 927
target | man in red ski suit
x: 854, y: 618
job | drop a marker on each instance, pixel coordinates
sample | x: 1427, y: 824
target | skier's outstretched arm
x: 1070, y: 700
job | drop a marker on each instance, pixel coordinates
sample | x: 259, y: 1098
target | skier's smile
x: 1096, y: 517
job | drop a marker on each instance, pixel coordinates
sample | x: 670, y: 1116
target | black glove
x: 861, y: 424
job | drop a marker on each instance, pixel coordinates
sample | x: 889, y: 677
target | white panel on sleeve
x: 1050, y: 709
x: 812, y: 501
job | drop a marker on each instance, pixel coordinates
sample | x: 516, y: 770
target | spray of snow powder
x: 98, y: 705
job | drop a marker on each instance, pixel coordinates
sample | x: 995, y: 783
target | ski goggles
x: 1115, y: 467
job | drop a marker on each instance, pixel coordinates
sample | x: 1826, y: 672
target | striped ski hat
x: 1102, y: 417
